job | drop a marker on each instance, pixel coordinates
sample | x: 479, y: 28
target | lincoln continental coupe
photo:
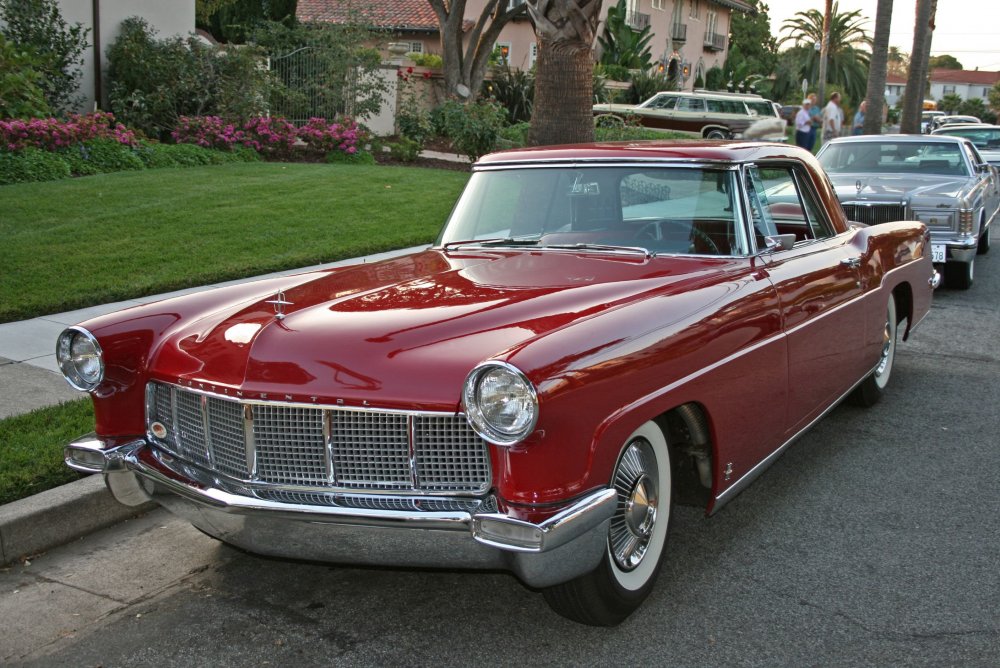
x: 941, y: 181
x: 599, y: 332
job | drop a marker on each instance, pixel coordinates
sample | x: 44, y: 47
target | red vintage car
x: 598, y: 332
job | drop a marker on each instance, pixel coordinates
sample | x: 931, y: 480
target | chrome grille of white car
x: 302, y: 446
x: 873, y: 214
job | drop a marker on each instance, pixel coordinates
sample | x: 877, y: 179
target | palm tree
x: 923, y: 31
x: 847, y: 62
x: 564, y: 71
x: 879, y: 69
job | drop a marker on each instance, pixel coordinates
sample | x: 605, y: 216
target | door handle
x: 852, y: 262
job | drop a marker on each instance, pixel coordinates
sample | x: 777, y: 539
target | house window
x: 502, y: 52
x: 694, y: 9
x: 416, y: 47
x: 534, y: 55
x: 710, y: 18
x: 986, y: 93
x: 511, y: 4
x: 658, y: 4
x: 949, y: 90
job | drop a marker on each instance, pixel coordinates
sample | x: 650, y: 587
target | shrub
x: 426, y: 59
x: 155, y: 82
x: 514, y: 136
x: 31, y: 164
x: 645, y: 86
x: 52, y: 134
x: 473, y: 128
x: 155, y: 155
x: 404, y: 150
x: 39, y: 26
x: 357, y: 158
x: 715, y: 78
x: 21, y: 94
x: 263, y: 134
x: 514, y: 90
x: 339, y: 136
x: 110, y: 156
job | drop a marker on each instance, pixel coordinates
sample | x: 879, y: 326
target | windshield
x: 982, y: 138
x: 685, y: 210
x: 870, y: 157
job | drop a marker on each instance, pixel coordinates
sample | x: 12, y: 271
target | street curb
x: 57, y: 516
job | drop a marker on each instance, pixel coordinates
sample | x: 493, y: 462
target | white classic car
x: 944, y: 182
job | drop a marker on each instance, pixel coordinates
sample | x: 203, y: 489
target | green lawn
x: 97, y: 239
x: 31, y: 445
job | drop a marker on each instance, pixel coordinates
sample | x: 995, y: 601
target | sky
x: 969, y: 31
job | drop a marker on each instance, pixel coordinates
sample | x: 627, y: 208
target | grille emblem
x: 859, y: 185
x: 279, y: 304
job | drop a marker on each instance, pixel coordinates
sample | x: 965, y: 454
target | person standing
x: 833, y: 118
x: 857, y: 127
x: 815, y: 116
x: 804, y: 131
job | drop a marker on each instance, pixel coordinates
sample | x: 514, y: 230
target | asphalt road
x: 873, y: 541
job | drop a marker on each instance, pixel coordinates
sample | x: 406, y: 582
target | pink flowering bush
x: 338, y: 136
x: 51, y: 134
x: 269, y: 135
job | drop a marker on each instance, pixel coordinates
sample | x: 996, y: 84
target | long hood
x: 897, y: 187
x: 406, y: 331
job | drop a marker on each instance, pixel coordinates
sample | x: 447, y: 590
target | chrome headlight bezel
x: 473, y: 401
x: 71, y: 363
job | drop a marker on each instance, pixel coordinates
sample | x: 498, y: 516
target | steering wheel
x: 653, y: 231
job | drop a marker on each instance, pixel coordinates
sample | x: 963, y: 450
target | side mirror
x: 778, y: 242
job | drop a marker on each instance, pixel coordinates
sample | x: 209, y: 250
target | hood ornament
x: 279, y: 304
x: 860, y: 186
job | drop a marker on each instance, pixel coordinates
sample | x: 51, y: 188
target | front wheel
x: 984, y: 242
x: 716, y: 134
x: 873, y: 387
x: 636, y: 537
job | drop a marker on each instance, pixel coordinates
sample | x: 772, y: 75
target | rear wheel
x: 636, y: 537
x: 873, y: 387
x: 959, y: 275
x: 716, y: 133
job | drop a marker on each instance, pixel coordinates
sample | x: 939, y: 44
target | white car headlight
x: 80, y: 358
x: 500, y: 402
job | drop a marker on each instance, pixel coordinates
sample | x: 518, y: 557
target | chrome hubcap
x: 632, y: 524
x: 886, y: 349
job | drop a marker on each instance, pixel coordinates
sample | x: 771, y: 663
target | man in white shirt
x: 832, y: 118
x: 803, y: 125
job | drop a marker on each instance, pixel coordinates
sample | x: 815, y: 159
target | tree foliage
x: 950, y: 103
x: 944, y: 62
x: 621, y: 45
x: 235, y: 20
x: 756, y: 49
x: 849, y: 48
x: 994, y: 96
x: 899, y: 61
x: 21, y: 94
x: 38, y: 25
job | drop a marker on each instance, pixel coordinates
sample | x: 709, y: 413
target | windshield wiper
x: 602, y: 247
x: 500, y: 241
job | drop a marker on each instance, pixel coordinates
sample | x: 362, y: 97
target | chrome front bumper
x: 472, y: 534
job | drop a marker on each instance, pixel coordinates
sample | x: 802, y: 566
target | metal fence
x: 314, y: 85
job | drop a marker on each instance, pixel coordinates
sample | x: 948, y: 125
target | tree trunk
x: 914, y: 96
x: 563, y: 109
x: 878, y: 69
x: 824, y: 52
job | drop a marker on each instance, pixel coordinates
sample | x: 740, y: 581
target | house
x: 967, y: 84
x: 103, y: 19
x: 689, y: 36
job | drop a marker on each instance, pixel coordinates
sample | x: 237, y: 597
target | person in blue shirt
x: 857, y: 127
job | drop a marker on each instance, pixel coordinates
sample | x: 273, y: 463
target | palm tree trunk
x: 564, y: 76
x: 824, y: 53
x: 878, y: 69
x: 923, y: 31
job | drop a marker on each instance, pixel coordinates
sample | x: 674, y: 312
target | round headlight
x: 80, y: 358
x: 500, y: 403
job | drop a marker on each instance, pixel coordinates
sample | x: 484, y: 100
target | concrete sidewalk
x: 30, y: 379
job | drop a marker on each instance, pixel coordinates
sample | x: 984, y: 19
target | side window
x: 782, y: 202
x: 664, y: 102
x: 715, y: 106
x: 690, y: 104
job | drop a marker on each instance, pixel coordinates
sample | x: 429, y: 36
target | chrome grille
x: 290, y: 446
x: 873, y: 214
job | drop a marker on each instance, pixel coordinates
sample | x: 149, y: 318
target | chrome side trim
x: 733, y: 490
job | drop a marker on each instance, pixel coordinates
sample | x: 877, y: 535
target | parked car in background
x: 711, y: 115
x: 927, y: 120
x: 598, y: 332
x: 941, y: 181
x: 941, y: 121
x: 788, y: 112
x: 986, y: 138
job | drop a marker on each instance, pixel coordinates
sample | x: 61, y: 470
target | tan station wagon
x: 710, y: 115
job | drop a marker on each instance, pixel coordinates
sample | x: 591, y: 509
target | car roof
x: 896, y: 139
x: 964, y: 126
x: 675, y: 150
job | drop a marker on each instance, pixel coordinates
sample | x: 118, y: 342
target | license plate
x: 938, y: 253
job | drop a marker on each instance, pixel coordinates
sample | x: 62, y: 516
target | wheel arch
x: 903, y: 293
